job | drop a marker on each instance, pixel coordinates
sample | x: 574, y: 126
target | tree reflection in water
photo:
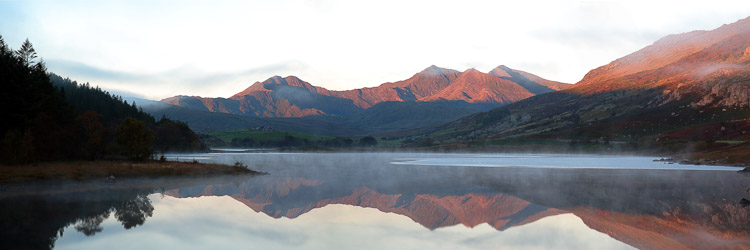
x: 131, y: 213
x: 91, y: 225
x: 37, y: 221
x: 35, y: 216
x: 134, y: 212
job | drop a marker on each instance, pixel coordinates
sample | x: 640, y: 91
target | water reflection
x: 660, y: 213
x: 91, y: 225
x: 341, y: 200
x: 223, y: 223
x: 37, y: 221
x: 36, y: 216
x: 130, y: 212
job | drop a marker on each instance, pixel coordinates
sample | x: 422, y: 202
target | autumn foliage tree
x: 135, y: 139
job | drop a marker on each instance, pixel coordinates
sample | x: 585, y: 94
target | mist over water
x: 561, y: 161
x: 285, y: 162
x: 417, y: 200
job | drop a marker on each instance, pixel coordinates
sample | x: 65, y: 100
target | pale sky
x: 157, y: 49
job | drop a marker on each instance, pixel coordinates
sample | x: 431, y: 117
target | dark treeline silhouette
x: 368, y: 141
x: 46, y: 117
x: 290, y: 141
x: 84, y: 97
x: 176, y: 136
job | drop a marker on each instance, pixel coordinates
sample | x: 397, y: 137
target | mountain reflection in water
x: 338, y: 200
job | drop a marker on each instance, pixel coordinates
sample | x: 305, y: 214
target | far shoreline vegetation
x: 266, y: 139
x: 111, y: 171
x: 56, y: 128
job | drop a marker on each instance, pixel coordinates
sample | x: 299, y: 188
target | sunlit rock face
x: 711, y: 65
x: 292, y: 97
x: 672, y: 49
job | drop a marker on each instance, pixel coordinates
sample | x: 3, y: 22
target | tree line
x: 291, y: 141
x: 46, y: 117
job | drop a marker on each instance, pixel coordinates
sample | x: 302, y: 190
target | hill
x: 397, y: 116
x: 206, y: 121
x: 645, y: 99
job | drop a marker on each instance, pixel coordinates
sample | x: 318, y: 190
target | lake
x: 393, y: 201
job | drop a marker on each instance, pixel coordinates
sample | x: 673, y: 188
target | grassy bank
x: 89, y: 170
x: 735, y: 154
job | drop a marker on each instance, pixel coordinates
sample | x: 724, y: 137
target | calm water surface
x: 393, y: 201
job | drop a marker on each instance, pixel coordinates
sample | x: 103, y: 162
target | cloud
x: 63, y: 67
x: 263, y: 70
x: 183, y: 78
x: 215, y: 48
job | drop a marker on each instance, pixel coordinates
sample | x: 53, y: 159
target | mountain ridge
x: 293, y: 97
x: 664, y: 51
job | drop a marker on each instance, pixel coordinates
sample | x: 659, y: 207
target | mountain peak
x: 276, y: 79
x: 474, y: 86
x: 501, y: 71
x: 292, y: 81
x: 289, y: 80
x: 472, y: 71
x: 503, y: 67
x: 433, y: 70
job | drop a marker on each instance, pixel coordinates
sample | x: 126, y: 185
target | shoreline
x: 112, y: 170
x: 694, y: 158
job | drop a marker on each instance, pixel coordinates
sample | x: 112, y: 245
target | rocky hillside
x: 665, y: 51
x: 680, y: 81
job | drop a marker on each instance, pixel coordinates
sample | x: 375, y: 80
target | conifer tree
x: 26, y: 53
x: 3, y: 46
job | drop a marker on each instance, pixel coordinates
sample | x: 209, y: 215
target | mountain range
x: 292, y: 97
x: 683, y: 92
x: 433, y: 96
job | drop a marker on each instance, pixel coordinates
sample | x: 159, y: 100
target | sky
x: 157, y: 49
